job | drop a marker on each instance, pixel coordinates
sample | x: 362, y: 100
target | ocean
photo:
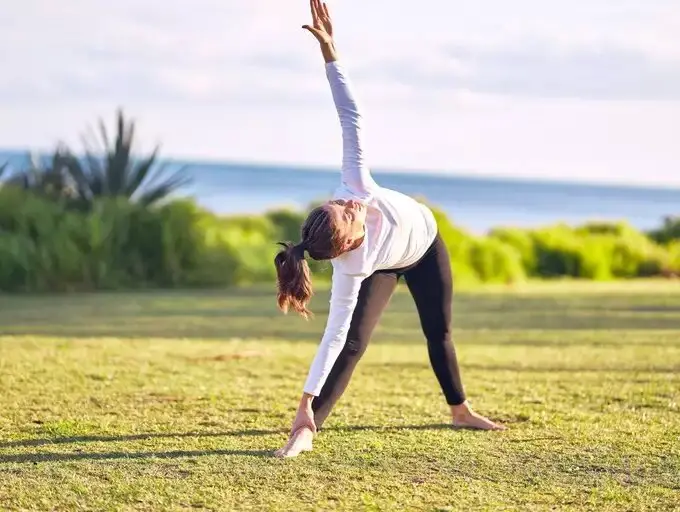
x: 477, y: 204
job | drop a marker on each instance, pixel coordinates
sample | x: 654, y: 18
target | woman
x: 372, y: 236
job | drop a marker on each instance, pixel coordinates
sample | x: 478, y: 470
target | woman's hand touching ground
x: 302, y: 432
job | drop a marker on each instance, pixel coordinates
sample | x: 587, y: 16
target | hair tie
x: 301, y: 247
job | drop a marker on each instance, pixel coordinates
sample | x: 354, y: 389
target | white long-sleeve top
x: 399, y: 231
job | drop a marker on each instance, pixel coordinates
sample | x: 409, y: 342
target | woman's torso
x: 399, y: 230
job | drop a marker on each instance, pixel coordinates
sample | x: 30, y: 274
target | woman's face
x: 349, y: 218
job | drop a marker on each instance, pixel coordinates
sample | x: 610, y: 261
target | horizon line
x: 389, y: 170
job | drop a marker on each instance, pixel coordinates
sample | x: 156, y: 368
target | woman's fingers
x: 315, y: 12
x: 328, y: 24
x: 321, y: 24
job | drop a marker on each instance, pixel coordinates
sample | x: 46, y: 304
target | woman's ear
x: 348, y: 244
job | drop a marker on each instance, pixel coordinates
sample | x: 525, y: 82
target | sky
x: 584, y: 90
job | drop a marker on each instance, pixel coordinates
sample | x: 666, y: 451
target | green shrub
x: 558, y: 252
x: 459, y: 244
x: 594, y: 258
x: 216, y: 260
x: 634, y: 255
x: 118, y: 244
x: 38, y: 252
x: 253, y: 239
x: 15, y: 268
x: 496, y: 262
x: 478, y: 259
x: 673, y: 249
x: 523, y: 242
x: 47, y: 246
x: 288, y: 224
x: 605, y: 228
x: 668, y: 232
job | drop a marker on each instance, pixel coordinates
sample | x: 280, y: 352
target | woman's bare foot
x: 465, y: 417
x: 300, y: 441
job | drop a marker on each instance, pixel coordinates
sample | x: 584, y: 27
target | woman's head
x: 328, y: 232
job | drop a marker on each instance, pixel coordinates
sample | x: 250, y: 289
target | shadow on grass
x: 34, y: 458
x: 136, y: 437
x: 234, y: 433
x: 674, y: 369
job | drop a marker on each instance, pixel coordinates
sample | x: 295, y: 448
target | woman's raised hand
x: 322, y: 26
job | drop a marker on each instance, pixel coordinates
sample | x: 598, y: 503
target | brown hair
x: 322, y: 241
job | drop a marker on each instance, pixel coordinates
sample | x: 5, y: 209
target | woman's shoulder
x: 357, y: 262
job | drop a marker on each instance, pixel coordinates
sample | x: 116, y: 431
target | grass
x: 175, y: 401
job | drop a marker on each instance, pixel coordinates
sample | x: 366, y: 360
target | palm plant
x: 107, y: 170
x: 4, y: 173
x: 47, y: 179
x: 116, y: 173
x: 51, y: 179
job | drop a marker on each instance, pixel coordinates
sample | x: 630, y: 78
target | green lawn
x: 176, y: 400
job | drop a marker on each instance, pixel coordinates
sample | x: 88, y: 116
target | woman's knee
x: 355, y: 346
x: 437, y: 333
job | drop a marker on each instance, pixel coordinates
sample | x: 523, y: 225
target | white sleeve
x: 356, y: 175
x: 344, y: 296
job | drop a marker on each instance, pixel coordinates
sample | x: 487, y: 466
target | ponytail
x: 322, y: 242
x: 294, y: 281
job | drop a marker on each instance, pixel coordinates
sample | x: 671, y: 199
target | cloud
x: 539, y: 69
x: 228, y: 51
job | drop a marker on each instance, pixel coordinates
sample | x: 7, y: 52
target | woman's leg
x: 374, y: 296
x: 431, y: 285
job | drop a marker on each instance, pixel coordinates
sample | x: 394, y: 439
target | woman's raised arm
x: 356, y: 174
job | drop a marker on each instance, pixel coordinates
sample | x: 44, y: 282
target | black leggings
x: 431, y: 285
